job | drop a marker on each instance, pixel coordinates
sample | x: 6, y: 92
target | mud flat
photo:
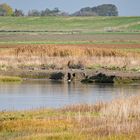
x: 85, y: 76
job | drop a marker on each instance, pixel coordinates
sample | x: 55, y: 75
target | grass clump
x: 124, y: 80
x: 10, y: 79
x: 96, y: 67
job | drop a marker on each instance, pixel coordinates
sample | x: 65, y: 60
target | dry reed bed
x: 118, y: 109
x: 120, y: 117
x: 69, y: 50
x: 60, y: 55
x: 72, y: 50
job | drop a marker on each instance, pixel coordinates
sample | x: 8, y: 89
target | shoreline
x: 75, y: 74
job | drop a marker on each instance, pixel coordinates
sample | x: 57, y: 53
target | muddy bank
x: 85, y: 76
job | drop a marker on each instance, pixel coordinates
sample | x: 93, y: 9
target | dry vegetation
x: 58, y: 56
x: 116, y: 120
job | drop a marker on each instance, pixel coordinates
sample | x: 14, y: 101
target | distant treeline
x: 101, y: 10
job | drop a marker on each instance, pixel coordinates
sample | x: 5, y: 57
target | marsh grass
x: 58, y: 56
x: 115, y: 120
x: 65, y: 51
x: 10, y: 79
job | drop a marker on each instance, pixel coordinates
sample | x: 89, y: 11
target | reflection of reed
x: 10, y: 87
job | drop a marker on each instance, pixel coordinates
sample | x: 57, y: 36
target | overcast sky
x: 125, y: 7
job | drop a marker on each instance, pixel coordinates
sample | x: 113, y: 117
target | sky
x: 125, y: 7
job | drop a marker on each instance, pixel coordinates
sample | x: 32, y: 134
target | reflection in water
x: 35, y: 94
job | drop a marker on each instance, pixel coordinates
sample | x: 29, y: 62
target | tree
x: 18, y: 13
x: 106, y: 10
x: 34, y: 13
x: 5, y: 10
x: 56, y: 10
x: 101, y: 10
x: 2, y: 12
x: 45, y: 12
x: 48, y: 12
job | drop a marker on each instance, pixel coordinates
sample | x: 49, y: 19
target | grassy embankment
x: 116, y: 120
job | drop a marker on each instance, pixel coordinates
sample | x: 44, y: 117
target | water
x: 38, y: 94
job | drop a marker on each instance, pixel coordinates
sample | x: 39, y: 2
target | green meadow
x: 70, y: 24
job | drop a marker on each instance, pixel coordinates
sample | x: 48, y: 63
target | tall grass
x: 118, y: 119
x: 67, y: 50
x: 58, y: 56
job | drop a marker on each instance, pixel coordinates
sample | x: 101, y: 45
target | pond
x: 40, y: 93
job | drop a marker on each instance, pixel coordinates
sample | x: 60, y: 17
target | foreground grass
x: 117, y: 120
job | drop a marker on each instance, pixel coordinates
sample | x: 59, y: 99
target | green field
x: 107, y: 33
x: 86, y: 25
x: 69, y: 30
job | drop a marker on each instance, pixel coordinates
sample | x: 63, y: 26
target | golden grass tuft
x: 123, y: 108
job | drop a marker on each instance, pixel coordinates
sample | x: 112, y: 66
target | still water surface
x: 36, y: 94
